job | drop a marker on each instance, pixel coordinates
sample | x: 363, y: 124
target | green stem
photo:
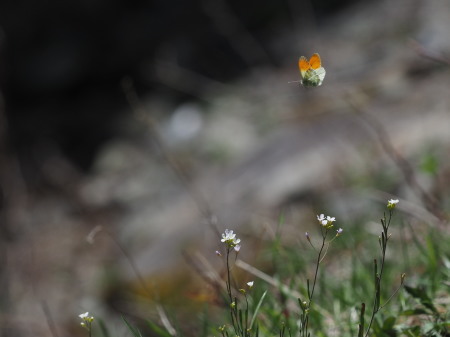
x: 246, y: 315
x: 228, y: 277
x: 317, y: 267
x: 376, y: 308
x: 233, y: 312
x: 305, y: 320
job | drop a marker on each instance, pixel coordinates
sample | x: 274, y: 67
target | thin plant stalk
x: 307, y: 306
x: 383, y: 240
x: 378, y: 277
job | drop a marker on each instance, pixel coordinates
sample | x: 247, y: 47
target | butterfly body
x: 311, y: 71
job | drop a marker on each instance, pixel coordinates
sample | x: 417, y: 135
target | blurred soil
x: 232, y: 158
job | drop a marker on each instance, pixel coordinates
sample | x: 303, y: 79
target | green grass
x: 281, y: 303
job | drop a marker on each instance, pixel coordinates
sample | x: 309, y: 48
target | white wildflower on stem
x: 392, y: 203
x: 331, y: 219
x: 229, y: 238
x: 232, y: 243
x: 326, y: 221
x: 86, y: 321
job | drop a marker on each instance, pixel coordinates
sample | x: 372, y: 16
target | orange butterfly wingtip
x: 303, y: 64
x: 315, y: 61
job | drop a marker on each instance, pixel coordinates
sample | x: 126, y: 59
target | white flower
x: 83, y: 316
x: 250, y: 284
x: 339, y: 231
x: 86, y: 319
x: 228, y: 235
x: 392, y: 203
x: 327, y: 221
x: 321, y: 218
x: 230, y: 239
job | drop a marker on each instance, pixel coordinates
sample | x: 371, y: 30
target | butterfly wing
x: 320, y: 73
x: 303, y: 65
x: 315, y: 61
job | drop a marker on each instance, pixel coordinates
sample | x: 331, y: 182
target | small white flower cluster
x: 86, y: 320
x: 392, y: 203
x: 230, y: 239
x: 326, y: 222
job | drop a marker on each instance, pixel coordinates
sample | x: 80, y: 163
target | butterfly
x: 312, y: 71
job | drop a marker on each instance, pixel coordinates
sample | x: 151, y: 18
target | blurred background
x: 133, y: 132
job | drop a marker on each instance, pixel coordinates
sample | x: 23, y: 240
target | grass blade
x: 158, y: 330
x: 133, y: 330
x: 257, y: 308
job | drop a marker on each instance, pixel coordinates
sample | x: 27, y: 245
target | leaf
x: 157, y: 329
x: 421, y: 295
x: 241, y: 324
x: 133, y: 330
x: 257, y: 308
x: 413, y: 312
x: 246, y: 318
x: 307, y: 286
